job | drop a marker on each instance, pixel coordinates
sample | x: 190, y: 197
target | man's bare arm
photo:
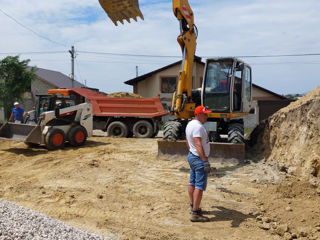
x: 198, y: 144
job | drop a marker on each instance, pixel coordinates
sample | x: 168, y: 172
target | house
x: 45, y: 80
x: 163, y: 82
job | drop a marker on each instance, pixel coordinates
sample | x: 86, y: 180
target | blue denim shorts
x: 198, y: 177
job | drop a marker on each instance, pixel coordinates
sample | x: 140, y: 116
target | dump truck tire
x: 55, y: 139
x: 77, y: 136
x: 117, y: 129
x: 142, y: 129
x: 172, y: 130
x: 235, y: 133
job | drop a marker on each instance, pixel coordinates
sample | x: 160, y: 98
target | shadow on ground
x: 41, y: 149
x: 224, y: 214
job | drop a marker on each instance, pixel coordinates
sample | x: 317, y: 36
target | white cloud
x: 226, y: 28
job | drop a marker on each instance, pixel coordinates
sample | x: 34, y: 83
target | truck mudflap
x: 21, y: 132
x: 219, y: 152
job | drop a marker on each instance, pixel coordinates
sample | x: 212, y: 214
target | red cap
x: 201, y: 109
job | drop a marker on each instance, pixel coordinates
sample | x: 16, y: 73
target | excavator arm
x: 181, y: 103
x: 120, y: 10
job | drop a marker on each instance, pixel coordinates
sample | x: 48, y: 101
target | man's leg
x: 197, y: 197
x: 191, y: 191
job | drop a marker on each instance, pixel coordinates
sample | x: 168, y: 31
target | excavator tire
x: 235, y: 133
x: 117, y: 129
x: 77, y: 136
x: 214, y: 137
x: 172, y: 130
x: 55, y: 139
x: 143, y: 129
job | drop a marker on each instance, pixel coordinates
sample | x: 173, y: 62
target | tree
x: 15, y: 79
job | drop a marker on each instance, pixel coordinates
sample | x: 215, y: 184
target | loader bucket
x: 21, y: 132
x: 119, y: 10
x: 219, y: 152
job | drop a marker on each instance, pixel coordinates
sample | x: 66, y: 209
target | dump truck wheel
x: 77, y: 136
x: 142, y: 129
x: 172, y: 130
x: 235, y: 133
x: 55, y: 139
x: 117, y: 129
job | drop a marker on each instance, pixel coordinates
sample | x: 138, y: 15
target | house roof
x: 143, y: 77
x: 57, y: 79
x: 268, y: 91
x: 197, y: 59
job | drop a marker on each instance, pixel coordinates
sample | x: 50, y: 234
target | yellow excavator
x: 227, y: 83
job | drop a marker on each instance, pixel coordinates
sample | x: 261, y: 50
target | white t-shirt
x: 196, y: 129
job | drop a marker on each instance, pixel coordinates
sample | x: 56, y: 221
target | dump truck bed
x: 102, y: 105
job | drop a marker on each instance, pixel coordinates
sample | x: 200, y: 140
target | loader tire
x: 172, y: 130
x: 55, y: 139
x: 235, y: 133
x: 77, y: 136
x: 117, y: 129
x: 143, y: 129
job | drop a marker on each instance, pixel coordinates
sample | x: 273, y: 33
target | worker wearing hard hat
x: 17, y: 114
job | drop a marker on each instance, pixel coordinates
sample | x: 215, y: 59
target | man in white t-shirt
x: 199, y: 150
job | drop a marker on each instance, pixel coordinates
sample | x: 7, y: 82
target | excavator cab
x: 227, y: 85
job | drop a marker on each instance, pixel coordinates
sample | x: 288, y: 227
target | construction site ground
x: 117, y: 187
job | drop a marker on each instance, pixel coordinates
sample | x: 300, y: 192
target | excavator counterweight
x: 121, y: 10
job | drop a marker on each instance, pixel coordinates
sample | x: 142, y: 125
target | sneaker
x: 196, y: 216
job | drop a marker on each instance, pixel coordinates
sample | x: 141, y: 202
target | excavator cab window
x: 216, y: 94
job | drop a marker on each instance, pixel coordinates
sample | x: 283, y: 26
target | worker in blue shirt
x: 17, y: 114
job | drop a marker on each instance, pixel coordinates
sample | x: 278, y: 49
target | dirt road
x: 118, y: 187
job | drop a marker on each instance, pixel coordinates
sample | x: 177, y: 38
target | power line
x: 31, y: 30
x: 278, y: 55
x: 128, y: 54
x: 163, y: 56
x: 18, y: 53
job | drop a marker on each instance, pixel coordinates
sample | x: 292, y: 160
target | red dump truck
x: 118, y: 116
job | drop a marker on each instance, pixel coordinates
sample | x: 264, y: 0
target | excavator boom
x: 121, y: 10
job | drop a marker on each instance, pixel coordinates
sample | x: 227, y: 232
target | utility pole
x: 73, y: 56
x: 137, y: 71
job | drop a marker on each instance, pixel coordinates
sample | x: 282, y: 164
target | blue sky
x: 226, y: 28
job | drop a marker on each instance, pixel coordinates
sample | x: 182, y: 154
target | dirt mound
x: 124, y: 95
x: 291, y: 137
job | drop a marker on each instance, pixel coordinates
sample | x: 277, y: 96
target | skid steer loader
x: 54, y: 121
x: 226, y: 88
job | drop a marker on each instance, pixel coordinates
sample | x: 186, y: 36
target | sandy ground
x: 119, y: 188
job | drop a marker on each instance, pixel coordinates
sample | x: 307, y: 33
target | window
x: 168, y: 84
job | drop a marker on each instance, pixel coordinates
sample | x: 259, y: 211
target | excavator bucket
x: 119, y: 10
x: 219, y: 152
x: 21, y: 132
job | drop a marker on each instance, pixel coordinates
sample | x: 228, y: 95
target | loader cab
x: 227, y: 85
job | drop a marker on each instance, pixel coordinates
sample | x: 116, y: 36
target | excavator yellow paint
x: 120, y: 10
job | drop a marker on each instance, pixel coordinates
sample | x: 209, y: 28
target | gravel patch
x: 20, y: 223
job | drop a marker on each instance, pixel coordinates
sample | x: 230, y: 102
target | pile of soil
x: 291, y: 137
x: 124, y: 95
